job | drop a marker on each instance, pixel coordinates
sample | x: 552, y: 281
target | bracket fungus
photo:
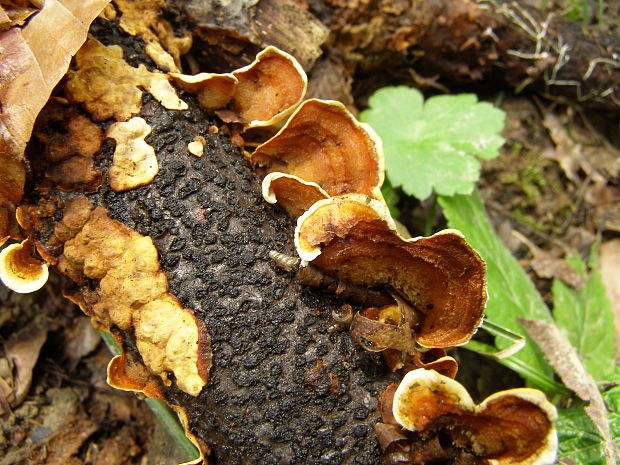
x: 509, y: 427
x: 259, y: 94
x: 268, y: 349
x: 292, y: 193
x: 19, y: 270
x: 323, y: 143
x: 441, y: 276
x: 214, y: 91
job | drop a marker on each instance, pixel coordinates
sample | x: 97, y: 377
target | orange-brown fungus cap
x: 441, y: 276
x: 20, y: 271
x: 291, y: 193
x: 267, y: 90
x: 213, y: 90
x: 323, y: 143
x: 510, y: 427
x: 134, y: 163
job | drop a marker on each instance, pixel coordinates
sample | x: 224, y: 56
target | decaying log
x: 284, y: 387
x: 244, y: 27
x: 469, y: 41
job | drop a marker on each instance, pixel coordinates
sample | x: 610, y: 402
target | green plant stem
x: 171, y: 424
x: 517, y: 340
x: 159, y: 408
x: 601, y: 14
x: 585, y: 12
x: 535, y: 377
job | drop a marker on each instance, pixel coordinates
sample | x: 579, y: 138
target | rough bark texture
x: 287, y: 385
x: 469, y: 41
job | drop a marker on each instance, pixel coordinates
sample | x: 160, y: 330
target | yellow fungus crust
x: 108, y: 87
x: 132, y: 293
x: 143, y: 18
x: 134, y: 163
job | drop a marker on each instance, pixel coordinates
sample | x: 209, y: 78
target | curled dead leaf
x: 33, y: 63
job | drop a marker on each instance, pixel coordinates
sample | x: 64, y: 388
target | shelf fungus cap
x: 260, y: 94
x: 213, y: 90
x: 441, y: 277
x: 268, y: 89
x: 20, y: 271
x: 323, y: 143
x: 510, y: 427
x: 292, y: 193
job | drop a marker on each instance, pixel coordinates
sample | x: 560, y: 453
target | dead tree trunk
x: 286, y: 385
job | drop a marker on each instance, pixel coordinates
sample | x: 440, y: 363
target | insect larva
x: 286, y: 262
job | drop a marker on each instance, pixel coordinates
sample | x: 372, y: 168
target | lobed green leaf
x: 433, y: 145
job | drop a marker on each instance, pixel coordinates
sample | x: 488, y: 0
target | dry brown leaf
x: 545, y: 265
x: 564, y: 359
x: 81, y: 338
x: 12, y: 14
x: 610, y: 271
x: 22, y: 353
x: 34, y: 58
x: 60, y: 447
x: 571, y: 155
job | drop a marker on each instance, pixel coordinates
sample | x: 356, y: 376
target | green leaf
x: 578, y: 437
x: 162, y: 412
x: 432, y: 146
x: 511, y: 293
x: 586, y: 316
